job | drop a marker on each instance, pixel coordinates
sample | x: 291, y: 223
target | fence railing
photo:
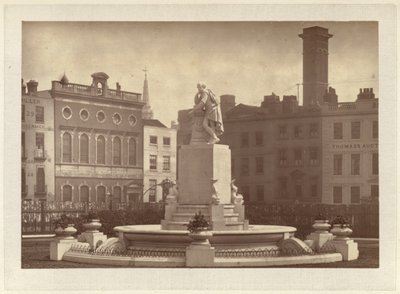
x: 38, y: 216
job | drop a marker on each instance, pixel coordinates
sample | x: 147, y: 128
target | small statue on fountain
x: 236, y: 197
x: 214, y: 197
x: 173, y: 194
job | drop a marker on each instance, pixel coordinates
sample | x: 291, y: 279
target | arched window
x: 101, y: 150
x: 117, y: 151
x: 67, y: 148
x: 132, y: 152
x: 84, y: 194
x: 67, y: 193
x: 99, y: 89
x: 101, y: 194
x: 117, y: 194
x: 84, y: 149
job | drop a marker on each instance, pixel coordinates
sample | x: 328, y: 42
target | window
x: 355, y: 194
x: 297, y: 132
x: 245, y: 167
x: 153, y: 140
x: 67, y: 193
x: 117, y: 119
x: 337, y: 195
x: 39, y: 150
x: 132, y: 152
x: 375, y: 191
x: 39, y: 114
x: 355, y: 164
x: 337, y: 164
x: 355, y: 130
x: 153, y: 190
x: 117, y: 195
x: 84, y: 114
x: 337, y: 131
x: 259, y: 139
x: 166, y: 141
x: 23, y: 181
x: 101, y: 116
x: 260, y: 193
x: 313, y: 130
x: 313, y: 156
x: 23, y: 112
x: 244, y: 140
x: 23, y: 145
x: 314, y: 190
x: 283, y: 189
x: 84, y: 149
x: 259, y: 165
x: 132, y: 120
x: 99, y: 89
x: 282, y: 157
x: 375, y: 129
x: 299, y: 191
x: 84, y: 194
x: 298, y: 156
x: 153, y: 162
x: 67, y: 147
x: 117, y: 151
x: 375, y: 164
x: 101, y: 194
x: 245, y: 191
x: 101, y: 150
x: 282, y: 132
x: 166, y: 163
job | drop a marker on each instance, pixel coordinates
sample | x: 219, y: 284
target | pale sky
x: 246, y: 59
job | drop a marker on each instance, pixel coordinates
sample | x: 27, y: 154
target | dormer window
x: 99, y: 89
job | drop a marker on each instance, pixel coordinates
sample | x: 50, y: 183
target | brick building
x: 98, y: 141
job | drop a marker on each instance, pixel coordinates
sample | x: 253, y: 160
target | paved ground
x: 36, y: 255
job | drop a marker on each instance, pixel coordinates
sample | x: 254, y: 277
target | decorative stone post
x: 92, y: 235
x: 62, y: 242
x: 316, y: 240
x: 343, y: 244
x: 200, y: 253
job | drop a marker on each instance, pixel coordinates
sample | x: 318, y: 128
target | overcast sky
x: 246, y: 59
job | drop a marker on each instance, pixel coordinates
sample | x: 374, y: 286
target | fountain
x: 204, y: 185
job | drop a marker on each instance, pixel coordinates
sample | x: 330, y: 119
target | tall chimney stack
x: 315, y: 64
x: 32, y: 87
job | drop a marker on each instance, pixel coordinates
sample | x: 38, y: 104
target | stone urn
x: 65, y: 233
x: 341, y: 231
x: 200, y: 237
x: 93, y: 226
x: 321, y: 226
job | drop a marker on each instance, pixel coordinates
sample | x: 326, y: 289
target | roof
x: 153, y: 123
x: 243, y: 110
x: 39, y: 94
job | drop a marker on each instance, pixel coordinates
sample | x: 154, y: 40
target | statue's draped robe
x: 211, y: 108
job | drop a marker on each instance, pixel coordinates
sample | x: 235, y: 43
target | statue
x: 214, y: 197
x: 207, y: 112
x: 236, y: 197
x: 173, y: 194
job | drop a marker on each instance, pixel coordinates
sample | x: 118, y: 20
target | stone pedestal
x: 58, y: 247
x: 200, y: 253
x: 347, y: 247
x: 95, y: 239
x: 319, y: 239
x: 198, y: 166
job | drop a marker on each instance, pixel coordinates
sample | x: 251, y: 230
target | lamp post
x: 109, y: 196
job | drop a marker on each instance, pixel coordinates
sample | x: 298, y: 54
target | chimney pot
x: 32, y: 87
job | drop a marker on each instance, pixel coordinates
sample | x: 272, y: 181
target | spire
x: 147, y: 113
x: 64, y: 79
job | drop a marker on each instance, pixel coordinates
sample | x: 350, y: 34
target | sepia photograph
x: 200, y: 144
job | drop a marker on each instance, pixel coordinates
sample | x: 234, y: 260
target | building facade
x: 37, y: 143
x: 160, y: 159
x: 322, y: 151
x: 98, y: 142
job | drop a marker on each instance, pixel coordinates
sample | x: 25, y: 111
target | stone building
x: 160, y: 160
x: 37, y: 143
x: 98, y: 141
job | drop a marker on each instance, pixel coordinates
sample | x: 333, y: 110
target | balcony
x: 39, y: 154
x: 24, y: 190
x: 40, y: 190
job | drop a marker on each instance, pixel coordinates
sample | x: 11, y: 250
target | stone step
x: 181, y: 216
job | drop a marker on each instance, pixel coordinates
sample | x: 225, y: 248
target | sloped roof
x: 243, y: 110
x: 153, y: 123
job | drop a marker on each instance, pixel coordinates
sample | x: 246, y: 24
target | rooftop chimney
x: 315, y: 64
x: 23, y: 87
x: 32, y: 87
x: 227, y: 103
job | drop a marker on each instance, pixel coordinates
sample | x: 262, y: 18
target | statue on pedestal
x: 236, y: 197
x: 207, y: 116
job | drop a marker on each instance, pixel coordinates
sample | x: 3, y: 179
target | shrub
x: 198, y: 223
